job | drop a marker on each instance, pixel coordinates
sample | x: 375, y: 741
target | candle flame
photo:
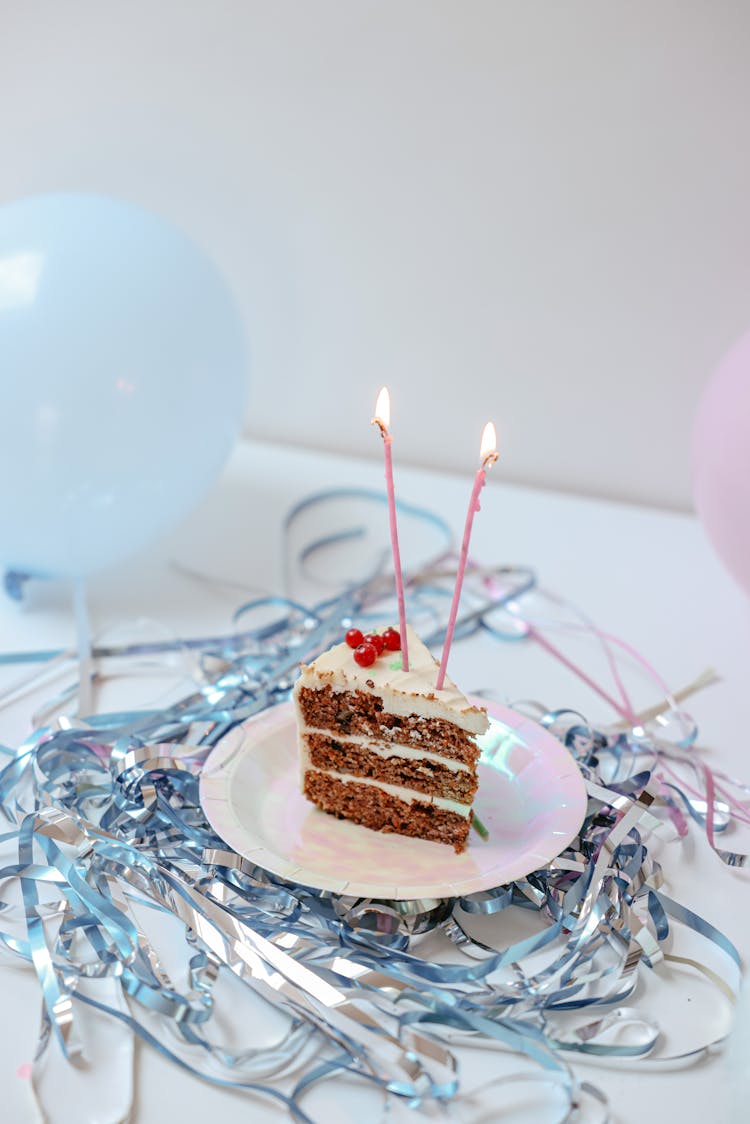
x: 383, y: 411
x: 488, y: 448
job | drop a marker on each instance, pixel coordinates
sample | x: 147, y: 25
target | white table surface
x: 645, y: 575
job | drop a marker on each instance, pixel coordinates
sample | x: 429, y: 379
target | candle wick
x: 381, y: 426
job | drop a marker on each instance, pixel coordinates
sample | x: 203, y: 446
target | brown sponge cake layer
x: 423, y: 775
x: 362, y: 714
x: 364, y: 804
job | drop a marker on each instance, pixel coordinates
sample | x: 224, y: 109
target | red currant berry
x: 365, y: 655
x: 354, y: 638
x: 377, y: 641
x: 392, y: 639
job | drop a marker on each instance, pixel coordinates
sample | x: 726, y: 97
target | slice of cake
x: 382, y: 747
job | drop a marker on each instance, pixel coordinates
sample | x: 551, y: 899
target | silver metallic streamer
x: 109, y: 831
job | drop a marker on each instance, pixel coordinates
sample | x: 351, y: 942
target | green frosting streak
x: 479, y: 827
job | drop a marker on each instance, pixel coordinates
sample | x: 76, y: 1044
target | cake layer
x: 372, y: 807
x: 425, y: 775
x: 406, y: 693
x: 407, y: 795
x: 396, y: 749
x: 363, y: 714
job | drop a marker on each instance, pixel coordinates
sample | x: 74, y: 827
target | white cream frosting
x: 403, y: 692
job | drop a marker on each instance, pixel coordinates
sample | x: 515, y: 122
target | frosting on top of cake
x: 402, y: 692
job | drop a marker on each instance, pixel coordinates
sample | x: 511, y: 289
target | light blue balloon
x: 122, y: 380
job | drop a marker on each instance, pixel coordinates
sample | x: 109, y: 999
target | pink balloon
x: 721, y: 461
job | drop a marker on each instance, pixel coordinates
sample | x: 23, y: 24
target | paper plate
x: 531, y: 798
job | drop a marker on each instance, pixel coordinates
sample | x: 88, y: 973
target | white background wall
x: 532, y: 212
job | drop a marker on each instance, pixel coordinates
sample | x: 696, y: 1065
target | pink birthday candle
x: 382, y: 420
x: 488, y: 455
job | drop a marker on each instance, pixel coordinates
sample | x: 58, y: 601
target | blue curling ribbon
x: 14, y: 582
x: 106, y: 816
